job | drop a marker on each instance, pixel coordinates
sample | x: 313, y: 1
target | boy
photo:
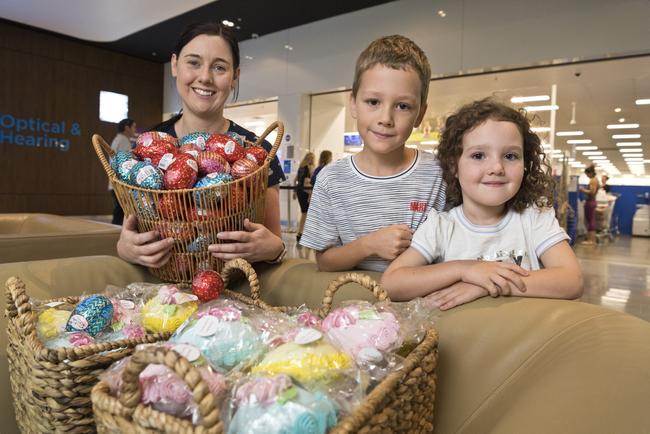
x: 365, y: 208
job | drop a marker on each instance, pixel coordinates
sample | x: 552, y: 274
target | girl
x: 303, y: 180
x: 500, y: 235
x: 205, y: 64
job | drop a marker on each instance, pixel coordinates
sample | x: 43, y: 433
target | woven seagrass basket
x: 401, y: 403
x: 194, y: 216
x: 51, y: 387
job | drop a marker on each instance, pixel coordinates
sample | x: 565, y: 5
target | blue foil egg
x: 201, y: 197
x: 91, y: 315
x: 237, y: 137
x: 146, y: 175
x: 122, y: 163
x: 145, y: 204
x: 201, y: 243
x: 197, y: 140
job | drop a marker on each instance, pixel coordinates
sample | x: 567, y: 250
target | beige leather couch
x: 506, y: 365
x: 29, y: 237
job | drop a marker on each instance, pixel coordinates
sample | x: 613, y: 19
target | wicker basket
x: 193, y: 216
x: 402, y: 402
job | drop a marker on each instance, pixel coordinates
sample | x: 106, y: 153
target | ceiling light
x: 621, y: 119
x: 540, y: 129
x: 597, y: 157
x: 592, y: 153
x: 628, y: 159
x: 248, y: 57
x: 617, y: 109
x: 621, y: 126
x: 629, y: 150
x: 579, y: 141
x: 626, y: 136
x: 621, y: 144
x: 228, y: 23
x: 520, y: 99
x: 288, y: 47
x: 586, y: 148
x: 541, y: 108
x: 442, y: 13
x: 643, y: 101
x: 558, y: 151
x: 569, y: 133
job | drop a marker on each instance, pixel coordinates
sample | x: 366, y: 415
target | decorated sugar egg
x: 91, y: 315
x: 207, y: 285
x: 212, y: 162
x: 170, y: 206
x: 202, y: 197
x: 177, y: 230
x: 197, y: 140
x: 226, y: 146
x: 122, y: 163
x: 243, y: 167
x: 152, y: 149
x: 146, y: 175
x: 257, y: 154
x: 182, y: 173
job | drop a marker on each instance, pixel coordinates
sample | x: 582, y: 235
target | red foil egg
x: 226, y: 146
x: 256, y: 154
x: 243, y: 167
x: 189, y: 148
x: 154, y: 149
x: 170, y: 206
x: 207, y: 285
x: 149, y: 136
x: 163, y: 161
x: 198, y: 214
x: 179, y: 231
x: 182, y: 173
x: 212, y: 162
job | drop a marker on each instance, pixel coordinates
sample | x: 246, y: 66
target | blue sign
x: 286, y: 167
x: 36, y: 133
x: 352, y: 139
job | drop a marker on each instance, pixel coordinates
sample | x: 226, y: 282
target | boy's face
x: 387, y: 108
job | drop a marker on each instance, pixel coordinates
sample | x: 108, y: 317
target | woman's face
x: 205, y: 75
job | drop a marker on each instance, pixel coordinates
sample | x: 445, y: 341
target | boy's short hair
x: 397, y: 52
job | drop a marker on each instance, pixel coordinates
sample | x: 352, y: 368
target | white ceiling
x: 95, y: 20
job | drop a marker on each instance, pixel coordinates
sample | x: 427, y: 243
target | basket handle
x: 362, y: 279
x: 278, y: 139
x: 18, y: 305
x: 240, y: 264
x: 131, y: 394
x: 102, y: 149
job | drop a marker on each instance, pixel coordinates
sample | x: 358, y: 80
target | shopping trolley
x: 606, y: 221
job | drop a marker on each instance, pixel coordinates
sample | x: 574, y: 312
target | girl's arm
x: 561, y: 277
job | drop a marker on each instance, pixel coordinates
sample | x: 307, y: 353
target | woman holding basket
x: 205, y: 64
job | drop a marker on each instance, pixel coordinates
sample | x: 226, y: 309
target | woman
x: 303, y: 180
x: 205, y: 64
x: 324, y: 159
x: 590, y: 205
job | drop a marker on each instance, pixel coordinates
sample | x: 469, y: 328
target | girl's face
x: 205, y: 75
x: 491, y: 167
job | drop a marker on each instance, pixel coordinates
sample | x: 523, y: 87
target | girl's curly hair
x: 537, y: 185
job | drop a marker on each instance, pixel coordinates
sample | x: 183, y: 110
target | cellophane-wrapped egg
x: 197, y: 140
x: 226, y: 146
x: 91, y: 315
x: 257, y: 154
x: 202, y: 197
x: 182, y: 173
x: 212, y: 162
x: 122, y: 163
x: 146, y: 175
x: 243, y: 167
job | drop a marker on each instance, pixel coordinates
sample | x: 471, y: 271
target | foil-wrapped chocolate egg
x: 153, y: 149
x: 226, y: 146
x: 146, y: 175
x: 203, y: 214
x: 256, y: 154
x: 179, y: 231
x: 243, y: 167
x: 170, y: 206
x: 238, y: 138
x: 122, y: 163
x: 212, y: 162
x: 201, y: 243
x: 145, y: 204
x: 91, y: 315
x: 150, y: 136
x: 197, y: 140
x: 202, y: 197
x: 182, y: 173
x: 189, y: 148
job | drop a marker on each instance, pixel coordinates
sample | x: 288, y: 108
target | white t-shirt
x: 447, y: 236
x: 347, y: 203
x: 120, y: 143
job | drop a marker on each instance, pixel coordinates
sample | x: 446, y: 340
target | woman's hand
x: 145, y: 249
x: 498, y: 278
x: 455, y: 295
x: 256, y: 243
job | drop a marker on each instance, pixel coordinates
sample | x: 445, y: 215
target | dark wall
x: 57, y: 81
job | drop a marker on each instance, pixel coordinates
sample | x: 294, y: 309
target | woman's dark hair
x: 210, y: 28
x: 590, y: 170
x: 124, y: 123
x: 537, y: 184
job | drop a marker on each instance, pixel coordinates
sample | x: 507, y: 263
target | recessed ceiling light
x: 248, y: 57
x: 592, y: 153
x: 626, y: 136
x: 621, y: 126
x: 629, y: 150
x: 597, y: 157
x: 621, y: 119
x: 617, y: 109
x: 520, y: 99
x: 254, y: 35
x: 540, y: 129
x: 288, y: 47
x: 620, y: 144
x: 643, y: 101
x: 579, y: 141
x: 153, y: 53
x: 541, y: 108
x: 586, y: 148
x: 238, y: 27
x: 569, y: 133
x: 228, y: 23
x: 442, y: 13
x: 637, y: 155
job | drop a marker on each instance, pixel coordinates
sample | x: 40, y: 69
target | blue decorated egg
x: 122, y: 163
x: 145, y: 204
x: 238, y: 137
x: 201, y: 197
x: 146, y: 175
x: 201, y: 243
x: 91, y: 315
x: 197, y: 140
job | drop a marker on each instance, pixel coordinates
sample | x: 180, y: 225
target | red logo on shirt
x: 418, y: 206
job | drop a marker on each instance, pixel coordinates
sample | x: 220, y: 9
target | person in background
x: 303, y: 180
x: 590, y: 205
x: 205, y: 65
x: 324, y: 159
x: 603, y: 179
x: 126, y: 130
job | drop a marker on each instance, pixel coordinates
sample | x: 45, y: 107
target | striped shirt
x: 347, y: 204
